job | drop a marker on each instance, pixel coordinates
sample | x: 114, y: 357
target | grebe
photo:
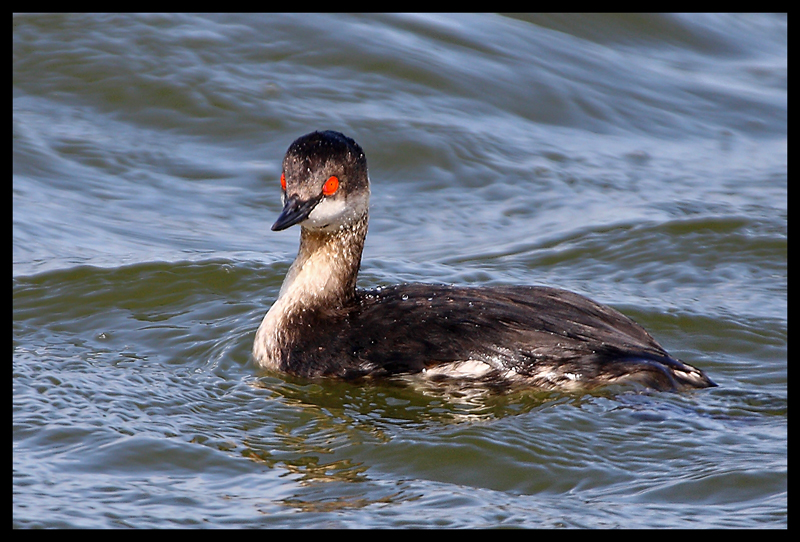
x: 321, y: 325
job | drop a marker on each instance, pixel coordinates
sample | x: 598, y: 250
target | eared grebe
x: 321, y: 325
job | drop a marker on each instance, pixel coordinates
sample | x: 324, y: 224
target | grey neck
x: 326, y: 268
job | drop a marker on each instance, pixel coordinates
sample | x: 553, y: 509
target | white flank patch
x: 470, y: 368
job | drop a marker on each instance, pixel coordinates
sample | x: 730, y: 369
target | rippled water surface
x: 640, y: 160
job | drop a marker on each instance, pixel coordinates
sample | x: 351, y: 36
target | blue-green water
x: 640, y: 160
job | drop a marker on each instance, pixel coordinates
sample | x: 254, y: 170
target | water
x: 640, y: 160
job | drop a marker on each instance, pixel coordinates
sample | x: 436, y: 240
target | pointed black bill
x: 294, y: 211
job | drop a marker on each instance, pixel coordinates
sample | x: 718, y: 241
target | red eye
x: 331, y: 186
x: 283, y: 182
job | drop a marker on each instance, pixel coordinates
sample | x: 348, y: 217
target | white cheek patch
x: 328, y: 212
